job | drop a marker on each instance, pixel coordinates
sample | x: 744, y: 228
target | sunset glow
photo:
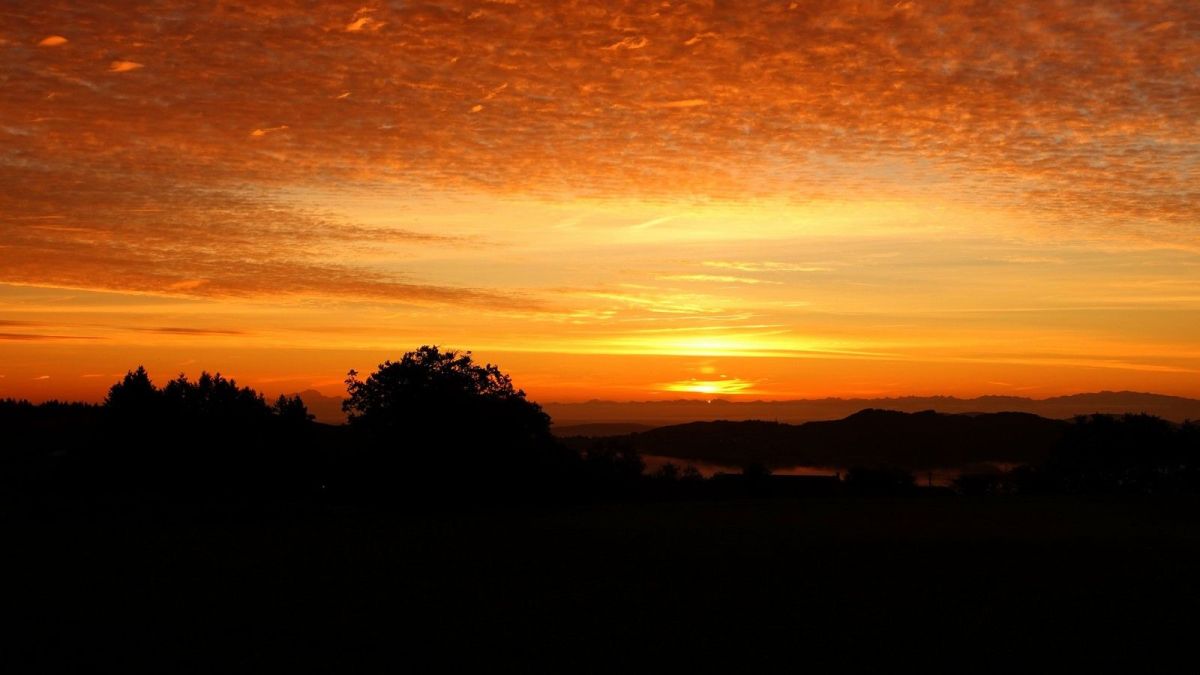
x: 609, y: 200
x: 719, y: 387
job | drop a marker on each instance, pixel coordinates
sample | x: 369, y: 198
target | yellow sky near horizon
x: 609, y: 200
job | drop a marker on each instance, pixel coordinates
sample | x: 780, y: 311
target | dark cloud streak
x: 175, y: 330
x: 32, y: 337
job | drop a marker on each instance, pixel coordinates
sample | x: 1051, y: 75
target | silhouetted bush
x: 672, y: 481
x: 1127, y: 454
x: 756, y: 471
x: 38, y: 442
x: 611, y: 465
x: 979, y: 484
x: 667, y: 472
x: 880, y: 481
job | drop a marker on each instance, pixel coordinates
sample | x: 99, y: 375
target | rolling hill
x: 662, y: 413
x: 914, y: 441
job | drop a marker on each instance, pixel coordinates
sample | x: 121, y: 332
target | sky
x: 609, y: 200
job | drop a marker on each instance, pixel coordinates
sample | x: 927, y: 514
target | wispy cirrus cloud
x: 142, y: 232
x: 765, y: 266
x: 123, y: 66
x: 202, y: 332
x: 1067, y: 108
x: 37, y: 337
x: 716, y: 278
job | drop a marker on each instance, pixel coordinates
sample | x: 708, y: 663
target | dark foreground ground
x: 969, y: 584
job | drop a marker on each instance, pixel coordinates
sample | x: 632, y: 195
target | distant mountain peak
x: 327, y: 409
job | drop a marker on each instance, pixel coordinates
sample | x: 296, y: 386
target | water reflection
x: 943, y: 477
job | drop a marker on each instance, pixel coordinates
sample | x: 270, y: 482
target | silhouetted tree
x: 1139, y: 454
x: 438, y: 417
x: 668, y: 472
x: 756, y: 471
x: 429, y: 386
x: 880, y: 480
x: 613, y: 463
x: 215, y: 400
x: 198, y: 440
x: 979, y: 483
x: 38, y: 442
x: 292, y: 410
x: 672, y: 482
x: 135, y: 394
x: 1029, y: 480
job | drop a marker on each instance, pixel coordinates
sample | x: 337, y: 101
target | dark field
x: 883, y: 580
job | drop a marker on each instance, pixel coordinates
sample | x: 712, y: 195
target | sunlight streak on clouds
x: 722, y: 387
x: 123, y: 66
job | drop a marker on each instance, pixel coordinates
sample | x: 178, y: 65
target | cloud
x: 658, y: 302
x: 685, y: 103
x: 53, y: 41
x: 269, y: 130
x: 764, y: 266
x: 716, y: 278
x: 1033, y: 260
x: 210, y: 243
x: 628, y: 43
x: 31, y: 337
x: 1078, y: 115
x: 123, y: 66
x: 363, y: 21
x: 1036, y: 108
x: 173, y: 330
x: 721, y: 387
x: 647, y: 224
x: 186, y: 285
x: 698, y: 37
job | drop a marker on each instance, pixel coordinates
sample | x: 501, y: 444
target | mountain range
x: 663, y: 413
x: 621, y: 417
x: 913, y: 441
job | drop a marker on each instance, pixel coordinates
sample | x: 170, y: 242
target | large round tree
x: 439, y: 411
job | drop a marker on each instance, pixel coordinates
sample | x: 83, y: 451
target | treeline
x: 435, y: 426
x: 1106, y: 454
x: 186, y: 440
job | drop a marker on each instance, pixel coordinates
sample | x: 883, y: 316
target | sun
x: 725, y: 386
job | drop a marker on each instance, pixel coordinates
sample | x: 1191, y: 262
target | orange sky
x: 609, y: 200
